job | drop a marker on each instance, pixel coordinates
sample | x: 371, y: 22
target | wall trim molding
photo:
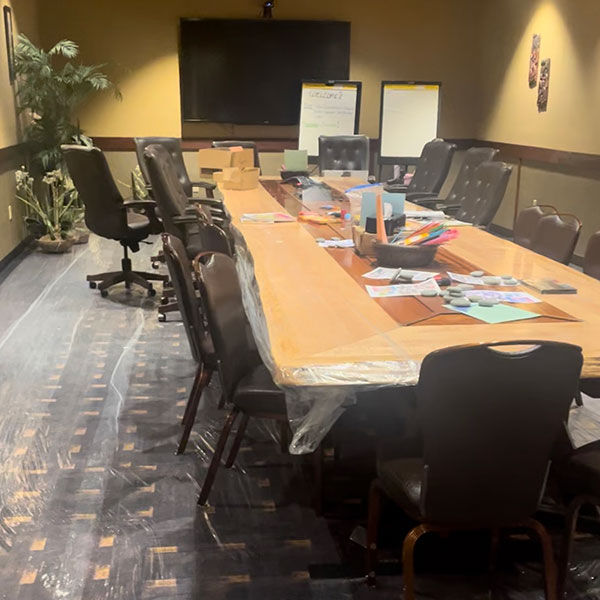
x: 14, y: 257
x: 11, y: 157
x: 508, y: 152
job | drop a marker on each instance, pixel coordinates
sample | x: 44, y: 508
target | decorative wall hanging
x: 10, y: 46
x: 534, y: 60
x: 542, y: 100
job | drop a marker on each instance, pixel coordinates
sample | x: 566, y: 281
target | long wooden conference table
x: 321, y: 319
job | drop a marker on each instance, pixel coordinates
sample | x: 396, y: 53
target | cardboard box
x: 222, y: 158
x: 363, y: 241
x: 234, y: 178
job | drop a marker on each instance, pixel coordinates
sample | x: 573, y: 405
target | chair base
x: 127, y: 275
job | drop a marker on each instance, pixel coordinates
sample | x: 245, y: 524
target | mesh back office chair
x: 527, y: 223
x: 556, y: 237
x: 343, y: 152
x: 109, y: 216
x: 241, y: 144
x: 484, y: 194
x: 473, y: 158
x: 591, y: 260
x: 490, y: 419
x: 173, y: 147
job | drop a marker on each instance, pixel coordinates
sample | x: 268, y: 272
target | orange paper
x: 381, y: 235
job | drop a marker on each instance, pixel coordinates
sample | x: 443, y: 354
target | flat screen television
x: 250, y: 71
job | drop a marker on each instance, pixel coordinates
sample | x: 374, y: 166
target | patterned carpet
x: 95, y: 504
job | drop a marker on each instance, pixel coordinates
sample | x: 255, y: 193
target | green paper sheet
x: 499, y: 313
x: 295, y: 160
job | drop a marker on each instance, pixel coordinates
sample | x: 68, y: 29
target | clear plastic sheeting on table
x: 317, y: 394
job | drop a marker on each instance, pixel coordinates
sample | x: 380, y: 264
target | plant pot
x: 81, y: 235
x: 59, y: 246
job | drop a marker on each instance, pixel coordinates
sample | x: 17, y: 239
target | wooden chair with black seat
x: 430, y: 173
x: 181, y: 271
x: 577, y: 477
x: 246, y: 381
x: 556, y: 236
x: 473, y: 158
x: 528, y: 221
x: 108, y: 215
x: 489, y: 416
x: 240, y: 144
x: 192, y: 223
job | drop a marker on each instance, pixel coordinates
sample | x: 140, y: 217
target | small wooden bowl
x: 392, y: 255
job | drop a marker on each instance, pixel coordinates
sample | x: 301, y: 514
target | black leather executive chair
x: 191, y: 223
x: 473, y: 158
x: 109, y: 216
x: 556, y: 236
x: 484, y: 194
x: 241, y: 144
x: 527, y: 223
x: 430, y: 173
x: 173, y: 147
x: 343, y: 152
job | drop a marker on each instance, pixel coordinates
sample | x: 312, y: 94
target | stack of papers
x: 402, y: 289
x: 510, y: 297
x: 266, y: 218
x: 474, y: 280
x: 425, y: 214
x: 388, y: 273
x: 336, y: 244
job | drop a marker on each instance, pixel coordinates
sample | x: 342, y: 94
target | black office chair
x: 556, y: 237
x: 181, y: 272
x: 591, y: 259
x: 241, y: 144
x: 109, y: 216
x: 473, y: 158
x: 430, y: 173
x: 245, y: 380
x: 343, y: 152
x: 173, y: 147
x: 483, y: 195
x: 527, y: 223
x: 490, y: 416
x: 191, y: 223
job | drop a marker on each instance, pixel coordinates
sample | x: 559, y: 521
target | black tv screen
x: 250, y: 71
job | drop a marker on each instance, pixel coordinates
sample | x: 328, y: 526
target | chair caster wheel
x: 93, y: 285
x: 104, y: 293
x: 162, y: 318
x: 151, y: 292
x: 155, y: 265
x: 164, y: 301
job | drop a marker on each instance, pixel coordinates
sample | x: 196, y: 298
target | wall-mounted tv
x: 250, y: 71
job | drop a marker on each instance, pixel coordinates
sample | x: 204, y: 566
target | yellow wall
x: 397, y: 39
x: 570, y: 31
x: 12, y: 231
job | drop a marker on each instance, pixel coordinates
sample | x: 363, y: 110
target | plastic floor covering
x: 94, y: 504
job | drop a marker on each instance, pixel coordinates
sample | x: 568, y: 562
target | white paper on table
x: 424, y: 214
x: 474, y: 280
x: 402, y: 289
x: 388, y: 273
x: 510, y: 297
x: 336, y: 244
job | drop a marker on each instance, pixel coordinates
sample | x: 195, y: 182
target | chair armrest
x: 207, y: 185
x: 185, y: 219
x: 413, y: 196
x: 450, y: 209
x: 145, y: 204
x: 207, y: 202
x: 148, y: 207
x: 431, y: 203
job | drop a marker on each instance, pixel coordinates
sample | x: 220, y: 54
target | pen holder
x: 396, y: 256
x: 390, y: 224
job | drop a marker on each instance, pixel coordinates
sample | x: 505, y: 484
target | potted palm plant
x: 51, y: 88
